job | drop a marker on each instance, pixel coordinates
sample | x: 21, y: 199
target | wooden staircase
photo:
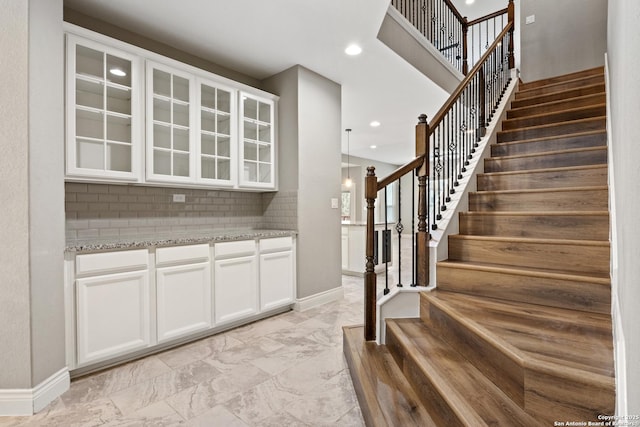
x: 518, y: 332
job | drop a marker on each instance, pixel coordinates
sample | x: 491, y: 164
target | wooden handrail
x: 455, y: 11
x: 401, y: 171
x: 489, y: 16
x: 463, y: 84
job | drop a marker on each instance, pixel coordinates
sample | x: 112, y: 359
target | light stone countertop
x: 170, y: 238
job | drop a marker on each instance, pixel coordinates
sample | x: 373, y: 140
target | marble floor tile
x: 284, y: 371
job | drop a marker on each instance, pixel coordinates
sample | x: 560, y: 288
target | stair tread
x: 544, y: 190
x: 568, y: 93
x: 530, y: 171
x: 559, y: 85
x: 547, y: 138
x: 540, y: 335
x: 384, y: 393
x: 537, y: 213
x: 602, y: 278
x: 550, y: 153
x: 553, y: 113
x: 531, y: 240
x: 550, y: 125
x: 457, y: 379
x: 551, y: 104
x: 569, y: 76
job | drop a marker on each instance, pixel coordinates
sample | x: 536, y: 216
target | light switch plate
x: 530, y: 19
x: 178, y: 198
x: 334, y: 203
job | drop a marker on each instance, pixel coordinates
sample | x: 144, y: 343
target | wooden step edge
x: 557, y: 102
x: 532, y: 240
x: 441, y: 385
x: 584, y: 73
x: 552, y: 137
x: 559, y: 84
x: 366, y: 392
x: 568, y: 373
x: 543, y: 95
x: 522, y: 271
x: 551, y: 125
x: 537, y: 213
x: 546, y: 170
x: 550, y: 153
x: 542, y: 190
x: 568, y: 110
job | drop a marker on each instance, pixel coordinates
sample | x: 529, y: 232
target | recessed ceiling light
x: 470, y: 1
x: 373, y: 147
x: 374, y: 124
x: 353, y: 49
x: 118, y: 72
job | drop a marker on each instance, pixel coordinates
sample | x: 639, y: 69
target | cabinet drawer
x: 234, y: 249
x: 276, y: 244
x: 111, y: 262
x: 182, y: 254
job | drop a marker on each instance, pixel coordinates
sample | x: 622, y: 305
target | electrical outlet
x: 530, y: 19
x: 334, y: 203
x: 178, y: 198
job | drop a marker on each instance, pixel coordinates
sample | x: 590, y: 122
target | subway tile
x: 75, y: 187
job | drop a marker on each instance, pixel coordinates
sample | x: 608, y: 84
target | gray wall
x: 32, y: 212
x: 623, y: 42
x: 309, y: 142
x: 567, y: 36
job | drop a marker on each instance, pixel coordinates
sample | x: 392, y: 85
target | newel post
x: 465, y: 32
x: 422, y: 172
x: 511, y: 13
x: 370, y: 194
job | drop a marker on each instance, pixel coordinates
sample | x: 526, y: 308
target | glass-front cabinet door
x: 257, y: 154
x: 170, y: 125
x: 104, y: 137
x: 217, y: 142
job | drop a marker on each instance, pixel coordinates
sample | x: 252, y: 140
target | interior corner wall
x: 15, y: 330
x: 623, y: 38
x: 319, y: 139
x: 46, y: 187
x: 567, y: 36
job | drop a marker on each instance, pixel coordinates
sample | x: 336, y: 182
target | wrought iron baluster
x: 399, y: 228
x: 413, y: 226
x: 384, y: 245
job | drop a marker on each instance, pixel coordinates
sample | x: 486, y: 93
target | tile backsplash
x: 94, y: 210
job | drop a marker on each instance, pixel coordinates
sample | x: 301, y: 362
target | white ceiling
x: 261, y: 38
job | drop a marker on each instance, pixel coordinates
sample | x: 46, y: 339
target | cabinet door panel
x: 183, y: 300
x: 112, y: 315
x: 276, y: 279
x: 235, y: 287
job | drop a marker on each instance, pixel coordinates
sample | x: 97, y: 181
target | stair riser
x: 598, y: 71
x: 562, y: 257
x: 502, y: 370
x: 560, y: 96
x: 571, y: 103
x: 592, y: 156
x: 551, y: 292
x: 570, y: 200
x: 576, y: 227
x: 433, y: 401
x: 543, y: 179
x: 559, y: 87
x: 552, y: 130
x: 557, y: 117
x: 551, y: 144
x: 553, y: 398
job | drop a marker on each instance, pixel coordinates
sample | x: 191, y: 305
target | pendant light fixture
x: 348, y: 182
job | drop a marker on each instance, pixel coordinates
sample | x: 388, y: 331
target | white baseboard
x: 18, y: 402
x: 304, y: 304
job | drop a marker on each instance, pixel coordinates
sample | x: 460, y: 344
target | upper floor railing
x: 461, y: 42
x: 444, y: 148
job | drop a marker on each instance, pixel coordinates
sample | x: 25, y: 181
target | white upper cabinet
x: 170, y: 124
x: 257, y: 153
x: 104, y: 137
x: 136, y: 116
x: 217, y: 138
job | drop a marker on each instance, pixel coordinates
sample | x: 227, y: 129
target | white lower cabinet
x: 112, y: 315
x: 235, y: 280
x: 277, y: 272
x: 125, y: 301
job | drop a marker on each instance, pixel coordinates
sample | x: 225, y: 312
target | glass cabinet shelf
x: 257, y: 141
x: 102, y: 132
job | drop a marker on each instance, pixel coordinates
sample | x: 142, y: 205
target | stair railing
x: 444, y: 147
x: 451, y: 33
